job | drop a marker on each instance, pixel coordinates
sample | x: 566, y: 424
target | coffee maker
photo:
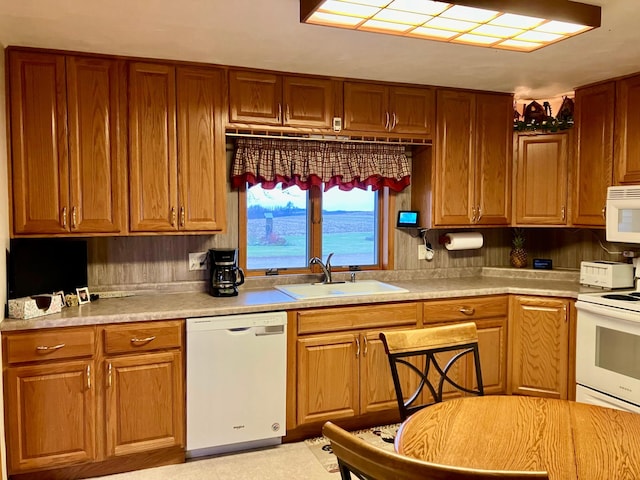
x: 226, y: 276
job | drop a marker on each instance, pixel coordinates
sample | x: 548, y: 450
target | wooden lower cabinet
x: 539, y: 339
x: 79, y: 400
x: 341, y: 371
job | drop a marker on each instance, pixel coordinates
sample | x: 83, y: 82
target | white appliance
x: 606, y: 274
x: 608, y: 349
x: 623, y: 214
x: 236, y: 382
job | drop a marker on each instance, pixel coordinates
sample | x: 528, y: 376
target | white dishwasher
x: 236, y: 382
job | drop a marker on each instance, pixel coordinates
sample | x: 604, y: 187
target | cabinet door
x: 144, y: 402
x: 627, y: 125
x: 97, y: 106
x: 541, y: 185
x: 492, y: 345
x: 201, y: 146
x: 153, y: 152
x: 493, y: 149
x: 594, y: 155
x: 539, y: 341
x: 255, y: 98
x: 412, y: 110
x: 366, y: 107
x: 327, y: 377
x: 40, y: 157
x: 308, y: 102
x: 454, y: 164
x: 52, y: 420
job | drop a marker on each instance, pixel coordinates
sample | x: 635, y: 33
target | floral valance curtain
x: 305, y: 163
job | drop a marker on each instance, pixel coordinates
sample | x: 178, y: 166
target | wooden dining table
x: 567, y: 439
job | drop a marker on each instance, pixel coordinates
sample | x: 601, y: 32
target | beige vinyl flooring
x: 291, y: 461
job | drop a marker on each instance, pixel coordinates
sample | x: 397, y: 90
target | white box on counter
x: 34, y: 306
x: 606, y: 274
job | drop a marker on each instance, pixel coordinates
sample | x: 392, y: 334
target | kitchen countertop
x: 146, y: 307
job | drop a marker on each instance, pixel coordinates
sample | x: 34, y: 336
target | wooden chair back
x: 417, y: 352
x: 367, y: 462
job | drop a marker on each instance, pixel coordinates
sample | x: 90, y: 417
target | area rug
x: 382, y: 437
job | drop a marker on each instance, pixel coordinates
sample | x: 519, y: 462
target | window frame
x: 386, y: 205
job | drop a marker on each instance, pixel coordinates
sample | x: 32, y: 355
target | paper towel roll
x: 464, y: 241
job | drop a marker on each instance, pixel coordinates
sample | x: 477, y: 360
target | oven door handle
x: 608, y: 312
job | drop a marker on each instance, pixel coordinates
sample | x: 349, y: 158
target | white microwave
x: 623, y: 214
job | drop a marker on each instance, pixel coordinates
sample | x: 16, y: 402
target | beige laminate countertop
x: 146, y: 307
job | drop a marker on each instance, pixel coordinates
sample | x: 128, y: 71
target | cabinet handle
x: 467, y: 311
x: 73, y: 218
x: 357, y: 347
x: 109, y: 375
x: 89, y: 376
x: 479, y: 214
x: 287, y: 114
x: 473, y: 214
x: 604, y: 213
x: 395, y: 121
x: 135, y: 340
x: 366, y: 346
x: 64, y: 217
x: 562, y: 213
x: 173, y: 216
x: 386, y: 122
x: 51, y: 348
x: 279, y: 117
x: 182, y: 216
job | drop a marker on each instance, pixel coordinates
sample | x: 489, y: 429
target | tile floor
x: 288, y: 461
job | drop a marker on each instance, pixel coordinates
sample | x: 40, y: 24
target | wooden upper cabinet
x: 69, y: 143
x: 627, y: 125
x: 271, y: 99
x: 594, y: 153
x: 454, y: 168
x: 153, y: 164
x: 201, y: 146
x: 541, y: 180
x: 40, y: 156
x: 97, y: 144
x: 379, y: 108
x: 493, y: 150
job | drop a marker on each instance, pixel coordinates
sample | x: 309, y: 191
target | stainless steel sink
x: 304, y: 291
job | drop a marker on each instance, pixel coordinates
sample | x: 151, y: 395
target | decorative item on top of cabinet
x: 627, y: 125
x: 177, y: 149
x: 468, y: 182
x: 594, y: 153
x: 68, y: 143
x: 379, y: 108
x: 539, y: 333
x: 541, y: 179
x: 262, y: 98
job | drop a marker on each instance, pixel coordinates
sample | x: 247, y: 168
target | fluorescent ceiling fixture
x: 525, y: 25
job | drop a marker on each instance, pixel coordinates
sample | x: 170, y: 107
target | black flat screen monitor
x: 46, y: 265
x: 407, y: 219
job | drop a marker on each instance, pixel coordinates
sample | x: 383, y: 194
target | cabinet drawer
x: 350, y: 318
x: 464, y: 309
x: 37, y: 346
x: 146, y: 336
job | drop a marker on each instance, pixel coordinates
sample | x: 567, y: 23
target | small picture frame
x: 62, y: 299
x: 83, y: 295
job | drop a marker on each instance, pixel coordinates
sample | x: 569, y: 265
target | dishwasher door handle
x: 269, y: 330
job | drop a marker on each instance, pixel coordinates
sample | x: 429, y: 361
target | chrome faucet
x: 326, y: 267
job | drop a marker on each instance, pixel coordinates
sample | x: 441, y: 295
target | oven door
x: 608, y: 350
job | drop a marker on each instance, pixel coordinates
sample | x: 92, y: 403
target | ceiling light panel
x: 522, y: 25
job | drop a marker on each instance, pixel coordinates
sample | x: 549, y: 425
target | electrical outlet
x: 422, y: 252
x: 198, y: 261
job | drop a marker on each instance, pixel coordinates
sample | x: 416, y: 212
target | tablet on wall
x: 407, y: 219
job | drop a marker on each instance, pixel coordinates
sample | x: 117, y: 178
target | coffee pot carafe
x: 226, y: 276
